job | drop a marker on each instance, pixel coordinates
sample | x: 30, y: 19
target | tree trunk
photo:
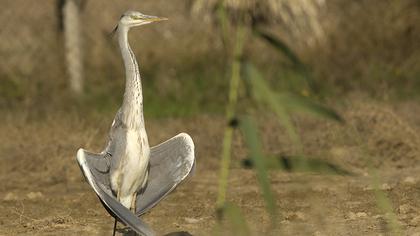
x: 73, y: 45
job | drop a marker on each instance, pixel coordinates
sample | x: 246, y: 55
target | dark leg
x: 115, y: 226
x: 115, y: 222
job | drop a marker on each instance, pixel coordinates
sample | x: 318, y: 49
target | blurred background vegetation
x: 367, y: 47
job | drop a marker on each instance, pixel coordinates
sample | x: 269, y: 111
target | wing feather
x: 170, y: 163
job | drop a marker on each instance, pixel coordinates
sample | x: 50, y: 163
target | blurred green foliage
x: 252, y: 139
x: 11, y: 90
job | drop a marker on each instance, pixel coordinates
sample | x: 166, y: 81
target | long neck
x: 132, y: 107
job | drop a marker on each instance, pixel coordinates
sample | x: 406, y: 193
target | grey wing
x: 170, y: 163
x: 87, y: 162
x: 98, y: 165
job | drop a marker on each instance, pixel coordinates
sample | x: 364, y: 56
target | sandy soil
x: 42, y: 191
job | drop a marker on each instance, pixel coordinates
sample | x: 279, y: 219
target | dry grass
x: 43, y: 191
x: 299, y: 19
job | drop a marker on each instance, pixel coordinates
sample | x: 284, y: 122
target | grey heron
x: 128, y: 176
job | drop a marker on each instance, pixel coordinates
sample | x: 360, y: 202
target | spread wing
x: 99, y: 165
x: 170, y: 163
x: 91, y: 166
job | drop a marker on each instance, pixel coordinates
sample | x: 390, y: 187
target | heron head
x: 133, y: 18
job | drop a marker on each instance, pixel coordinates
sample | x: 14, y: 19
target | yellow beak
x: 152, y: 19
x: 158, y: 19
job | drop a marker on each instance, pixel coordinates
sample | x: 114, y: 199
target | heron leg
x: 115, y: 219
x: 133, y: 203
x: 115, y: 226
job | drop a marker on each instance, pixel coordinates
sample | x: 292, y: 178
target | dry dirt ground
x: 42, y: 191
